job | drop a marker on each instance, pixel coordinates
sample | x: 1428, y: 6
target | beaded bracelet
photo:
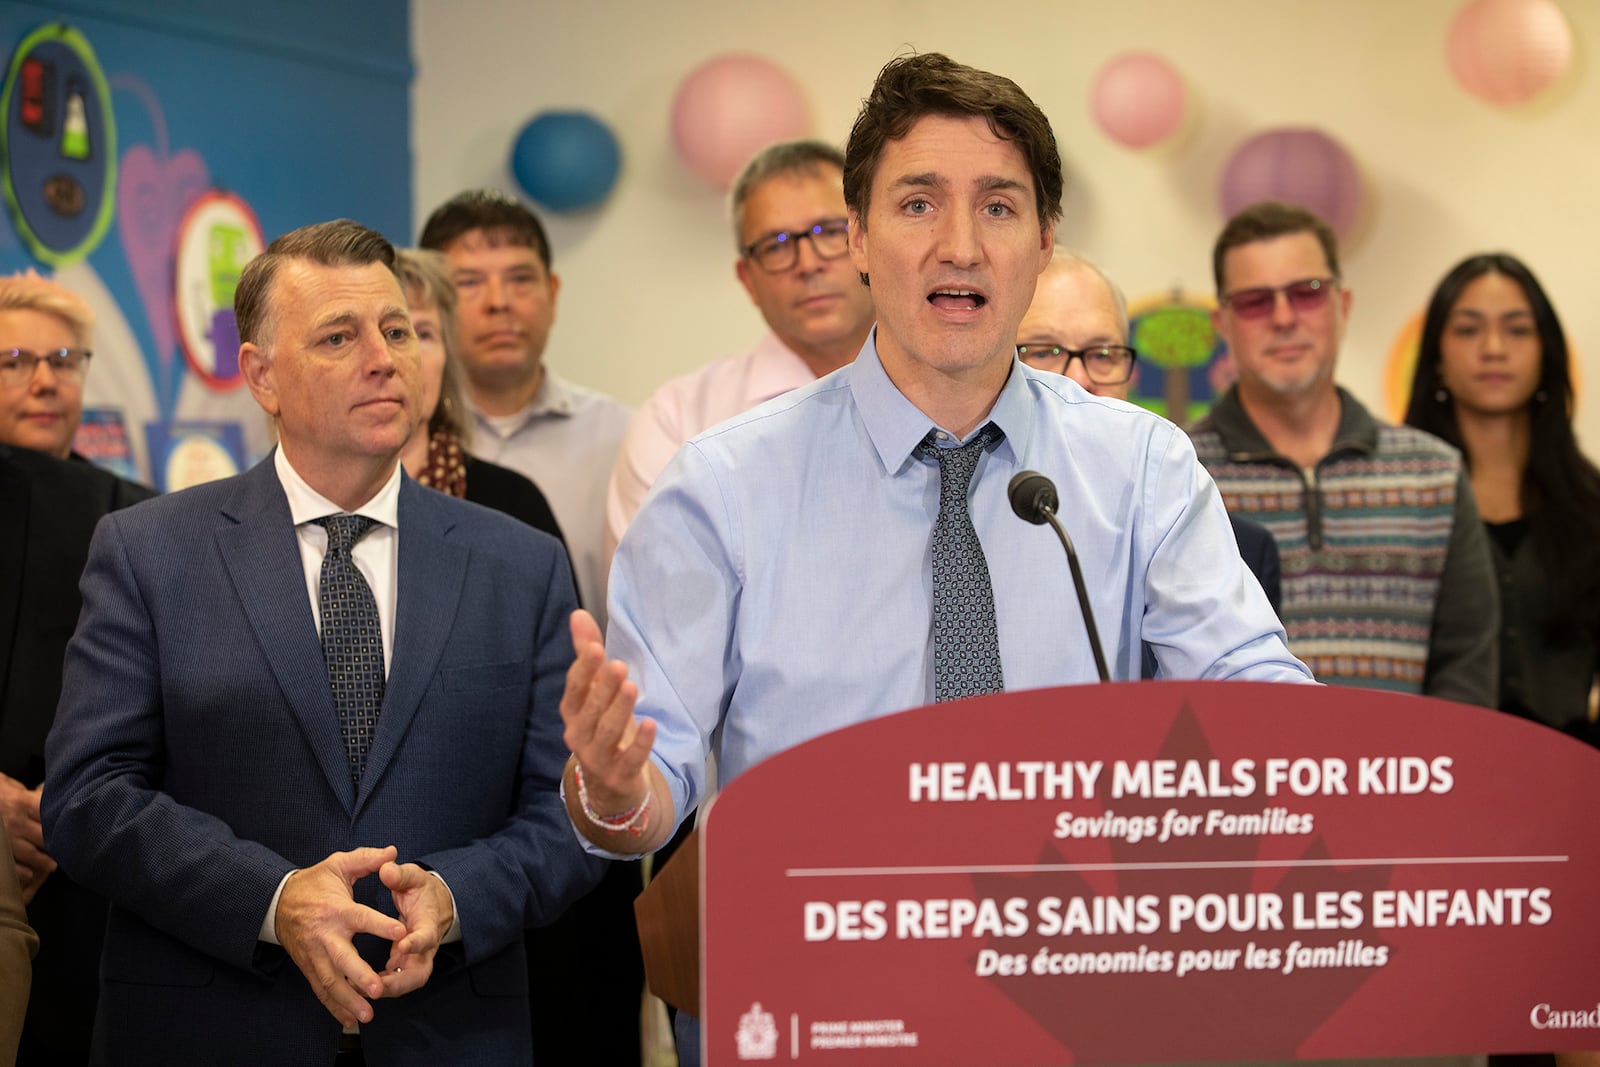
x: 633, y: 821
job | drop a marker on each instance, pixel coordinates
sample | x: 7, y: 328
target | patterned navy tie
x: 352, y: 643
x: 966, y: 640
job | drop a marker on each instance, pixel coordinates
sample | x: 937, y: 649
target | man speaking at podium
x: 848, y: 550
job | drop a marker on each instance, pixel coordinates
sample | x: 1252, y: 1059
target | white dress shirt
x: 377, y: 557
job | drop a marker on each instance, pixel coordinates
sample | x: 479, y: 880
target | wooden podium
x: 1138, y: 873
x: 668, y: 914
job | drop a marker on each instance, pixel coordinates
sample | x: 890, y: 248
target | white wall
x: 648, y: 278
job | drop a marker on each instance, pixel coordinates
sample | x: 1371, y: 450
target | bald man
x: 1077, y: 325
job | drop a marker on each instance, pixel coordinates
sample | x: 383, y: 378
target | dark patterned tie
x: 966, y: 641
x: 352, y: 643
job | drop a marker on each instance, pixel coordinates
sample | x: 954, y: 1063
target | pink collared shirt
x: 687, y: 406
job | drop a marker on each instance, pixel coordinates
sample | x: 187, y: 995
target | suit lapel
x: 260, y: 550
x: 432, y: 567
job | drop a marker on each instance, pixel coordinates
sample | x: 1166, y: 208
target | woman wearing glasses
x: 1492, y: 379
x: 44, y: 356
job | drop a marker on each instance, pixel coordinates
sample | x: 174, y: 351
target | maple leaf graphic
x: 1203, y: 1016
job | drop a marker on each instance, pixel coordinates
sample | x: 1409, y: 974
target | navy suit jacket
x: 196, y: 760
x: 1260, y: 553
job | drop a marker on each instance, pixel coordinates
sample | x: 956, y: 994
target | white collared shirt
x: 564, y: 441
x: 376, y: 556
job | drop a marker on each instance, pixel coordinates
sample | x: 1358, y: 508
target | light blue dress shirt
x: 777, y: 583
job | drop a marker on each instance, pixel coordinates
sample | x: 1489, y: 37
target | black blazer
x: 48, y: 511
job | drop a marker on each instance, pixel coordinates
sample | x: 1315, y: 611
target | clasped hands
x: 318, y: 917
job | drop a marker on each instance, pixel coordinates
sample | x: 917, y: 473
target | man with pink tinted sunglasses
x: 1387, y: 579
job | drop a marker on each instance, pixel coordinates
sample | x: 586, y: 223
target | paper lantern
x: 1298, y: 166
x: 731, y: 107
x: 566, y: 160
x: 1138, y: 99
x: 1509, y: 51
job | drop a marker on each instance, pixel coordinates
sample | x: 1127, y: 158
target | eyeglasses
x: 778, y: 252
x: 1105, y: 364
x: 17, y: 364
x: 1308, y: 294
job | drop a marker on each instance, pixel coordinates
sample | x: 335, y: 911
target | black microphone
x: 1033, y: 498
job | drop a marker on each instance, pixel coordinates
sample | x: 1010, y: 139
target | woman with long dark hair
x: 1492, y: 379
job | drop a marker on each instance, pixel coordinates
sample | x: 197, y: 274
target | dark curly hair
x: 911, y: 87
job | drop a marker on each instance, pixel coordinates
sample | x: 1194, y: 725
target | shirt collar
x: 1357, y: 430
x: 896, y: 426
x: 306, y: 504
x: 775, y: 367
x: 554, y: 397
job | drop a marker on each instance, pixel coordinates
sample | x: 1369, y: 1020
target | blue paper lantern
x: 566, y: 160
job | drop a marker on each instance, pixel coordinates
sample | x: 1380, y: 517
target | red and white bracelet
x: 634, y: 821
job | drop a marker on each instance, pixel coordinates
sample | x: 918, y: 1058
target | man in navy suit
x: 265, y: 844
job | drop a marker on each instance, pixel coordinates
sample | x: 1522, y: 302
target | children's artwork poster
x: 58, y: 144
x: 219, y: 234
x: 146, y: 156
x: 185, y: 454
x: 102, y: 439
x: 1183, y: 366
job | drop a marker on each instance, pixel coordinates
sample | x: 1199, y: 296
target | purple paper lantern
x: 1298, y: 166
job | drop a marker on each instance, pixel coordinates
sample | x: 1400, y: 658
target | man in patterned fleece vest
x: 1387, y: 578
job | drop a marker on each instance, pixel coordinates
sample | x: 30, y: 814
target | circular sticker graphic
x: 58, y: 144
x: 218, y: 235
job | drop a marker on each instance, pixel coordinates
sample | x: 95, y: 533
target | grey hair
x: 785, y: 157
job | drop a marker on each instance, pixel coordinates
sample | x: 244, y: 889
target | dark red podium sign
x: 1156, y: 872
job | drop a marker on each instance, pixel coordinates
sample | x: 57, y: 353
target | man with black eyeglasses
x: 789, y: 228
x: 1387, y: 579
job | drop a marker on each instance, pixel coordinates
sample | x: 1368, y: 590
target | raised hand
x: 610, y: 747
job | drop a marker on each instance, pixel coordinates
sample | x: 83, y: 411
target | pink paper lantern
x: 1509, y: 51
x: 1298, y: 166
x: 1138, y: 99
x: 731, y: 107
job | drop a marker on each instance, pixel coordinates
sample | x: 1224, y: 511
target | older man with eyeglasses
x: 1077, y: 325
x: 790, y: 230
x: 1387, y: 579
